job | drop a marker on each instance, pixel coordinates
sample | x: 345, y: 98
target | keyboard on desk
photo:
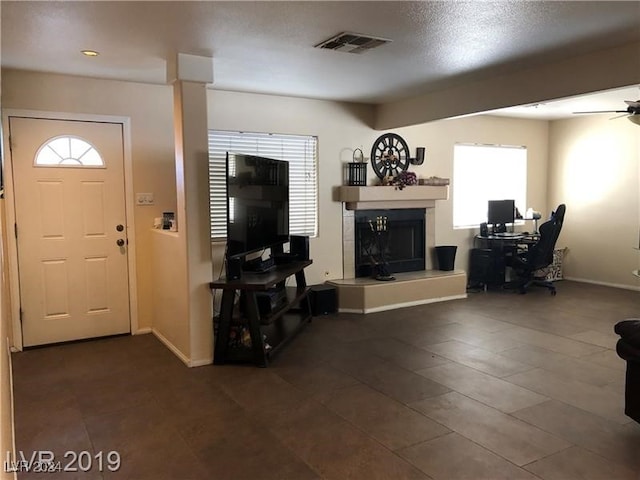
x: 508, y: 234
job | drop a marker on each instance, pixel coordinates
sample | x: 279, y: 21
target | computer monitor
x: 501, y: 212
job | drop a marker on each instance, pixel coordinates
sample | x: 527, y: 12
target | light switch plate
x: 144, y: 198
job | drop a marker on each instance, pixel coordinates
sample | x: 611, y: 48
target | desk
x: 490, y: 257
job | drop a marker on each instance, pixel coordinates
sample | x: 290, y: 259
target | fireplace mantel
x: 387, y: 197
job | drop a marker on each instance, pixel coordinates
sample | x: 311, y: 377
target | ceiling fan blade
x: 620, y: 116
x: 634, y: 119
x: 633, y: 104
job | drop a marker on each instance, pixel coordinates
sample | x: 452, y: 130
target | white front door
x: 71, y: 229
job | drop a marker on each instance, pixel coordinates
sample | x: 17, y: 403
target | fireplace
x: 385, y: 199
x: 410, y: 248
x: 402, y: 242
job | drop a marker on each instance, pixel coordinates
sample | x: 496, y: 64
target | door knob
x: 120, y: 242
x: 119, y: 227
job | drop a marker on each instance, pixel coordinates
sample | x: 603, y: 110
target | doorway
x: 71, y: 228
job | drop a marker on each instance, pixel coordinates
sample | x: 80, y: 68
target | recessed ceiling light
x: 90, y: 53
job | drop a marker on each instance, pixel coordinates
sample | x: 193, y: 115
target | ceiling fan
x: 632, y: 112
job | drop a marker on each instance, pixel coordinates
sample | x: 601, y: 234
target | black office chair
x: 539, y: 255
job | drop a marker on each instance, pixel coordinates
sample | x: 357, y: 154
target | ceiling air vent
x: 352, y: 43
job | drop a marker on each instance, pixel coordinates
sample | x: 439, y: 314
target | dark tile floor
x: 497, y: 386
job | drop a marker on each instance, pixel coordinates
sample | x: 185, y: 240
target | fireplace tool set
x: 380, y: 237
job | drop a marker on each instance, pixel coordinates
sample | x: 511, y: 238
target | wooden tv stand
x: 270, y: 332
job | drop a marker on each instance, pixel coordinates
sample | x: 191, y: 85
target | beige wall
x: 150, y: 109
x: 439, y: 139
x: 595, y: 169
x: 6, y: 394
x: 170, y: 293
x: 340, y: 128
x: 343, y: 127
x: 192, y: 172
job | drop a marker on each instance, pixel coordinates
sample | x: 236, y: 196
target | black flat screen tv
x: 257, y: 203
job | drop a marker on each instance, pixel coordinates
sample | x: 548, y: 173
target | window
x: 486, y: 172
x: 68, y: 151
x: 298, y: 150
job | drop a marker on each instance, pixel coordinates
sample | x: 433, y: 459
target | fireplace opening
x: 402, y: 241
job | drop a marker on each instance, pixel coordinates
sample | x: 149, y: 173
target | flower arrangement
x: 402, y: 180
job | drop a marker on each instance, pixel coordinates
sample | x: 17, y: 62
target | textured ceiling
x: 267, y: 47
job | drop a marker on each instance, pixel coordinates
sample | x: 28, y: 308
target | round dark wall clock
x: 389, y: 155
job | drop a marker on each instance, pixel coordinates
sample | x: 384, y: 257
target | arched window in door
x: 68, y: 151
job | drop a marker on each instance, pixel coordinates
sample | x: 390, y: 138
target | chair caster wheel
x: 553, y: 293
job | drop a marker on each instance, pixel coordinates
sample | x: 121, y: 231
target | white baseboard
x: 187, y: 361
x: 172, y: 347
x: 604, y: 284
x: 201, y: 362
x: 12, y: 415
x: 142, y: 331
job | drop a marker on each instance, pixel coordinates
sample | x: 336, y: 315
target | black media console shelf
x: 268, y: 332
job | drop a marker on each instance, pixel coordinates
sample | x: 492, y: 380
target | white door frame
x: 10, y: 212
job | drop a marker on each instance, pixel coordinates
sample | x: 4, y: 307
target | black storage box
x: 486, y: 267
x: 324, y: 299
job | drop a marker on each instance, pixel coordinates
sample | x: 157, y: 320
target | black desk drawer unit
x: 486, y: 267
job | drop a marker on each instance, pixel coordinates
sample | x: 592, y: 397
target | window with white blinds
x: 486, y: 172
x: 301, y: 153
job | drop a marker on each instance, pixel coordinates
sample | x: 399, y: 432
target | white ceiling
x: 267, y: 47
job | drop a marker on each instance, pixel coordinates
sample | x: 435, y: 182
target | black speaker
x: 484, y: 229
x: 234, y: 268
x: 299, y: 246
x: 324, y: 299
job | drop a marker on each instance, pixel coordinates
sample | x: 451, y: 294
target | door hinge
x: 10, y: 143
x: 21, y: 315
x: 15, y: 228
